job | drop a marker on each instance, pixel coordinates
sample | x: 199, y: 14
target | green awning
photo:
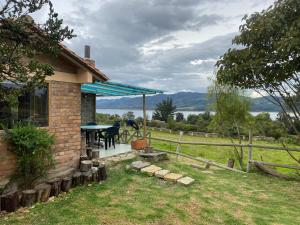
x: 116, y: 89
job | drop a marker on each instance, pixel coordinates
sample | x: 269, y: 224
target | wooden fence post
x: 178, y: 145
x: 249, y: 152
x: 150, y: 136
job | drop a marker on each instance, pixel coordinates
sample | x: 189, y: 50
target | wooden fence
x: 128, y: 137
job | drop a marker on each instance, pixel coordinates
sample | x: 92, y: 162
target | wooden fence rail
x: 126, y: 137
x: 227, y: 144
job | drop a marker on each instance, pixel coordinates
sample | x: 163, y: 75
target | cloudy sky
x: 166, y: 44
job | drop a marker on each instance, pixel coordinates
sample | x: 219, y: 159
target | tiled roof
x: 81, y: 61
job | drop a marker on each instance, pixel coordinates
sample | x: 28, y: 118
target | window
x: 31, y: 107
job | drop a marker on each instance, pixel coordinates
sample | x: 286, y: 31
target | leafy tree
x: 192, y: 119
x: 179, y: 117
x: 268, y: 57
x: 232, y: 110
x: 164, y: 109
x: 22, y: 40
x: 171, y: 122
x: 128, y: 116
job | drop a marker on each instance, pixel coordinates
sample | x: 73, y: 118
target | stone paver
x: 138, y: 165
x: 161, y: 173
x: 185, y: 181
x: 150, y: 170
x: 172, y: 177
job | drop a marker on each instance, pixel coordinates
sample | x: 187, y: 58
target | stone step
x: 161, y: 173
x: 173, y: 177
x: 150, y: 170
x: 185, y: 181
x: 138, y: 165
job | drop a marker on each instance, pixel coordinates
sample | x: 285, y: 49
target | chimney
x: 87, y: 55
x: 87, y: 51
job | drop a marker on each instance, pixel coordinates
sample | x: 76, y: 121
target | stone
x: 138, y: 165
x: 185, y: 181
x: 150, y: 170
x: 161, y: 173
x: 173, y: 177
x: 154, y: 156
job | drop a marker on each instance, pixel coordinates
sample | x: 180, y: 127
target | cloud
x: 170, y: 45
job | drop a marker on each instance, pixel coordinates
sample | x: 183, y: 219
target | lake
x: 139, y: 113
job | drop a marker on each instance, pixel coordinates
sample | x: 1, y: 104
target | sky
x: 170, y: 45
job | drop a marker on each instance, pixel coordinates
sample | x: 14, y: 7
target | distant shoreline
x: 185, y: 110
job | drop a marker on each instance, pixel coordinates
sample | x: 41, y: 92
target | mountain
x: 183, y: 101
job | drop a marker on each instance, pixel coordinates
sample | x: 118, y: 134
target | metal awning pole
x: 144, y: 112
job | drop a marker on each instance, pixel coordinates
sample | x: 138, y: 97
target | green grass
x: 222, y: 154
x: 129, y: 197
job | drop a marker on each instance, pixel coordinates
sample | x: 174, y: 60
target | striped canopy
x: 116, y: 89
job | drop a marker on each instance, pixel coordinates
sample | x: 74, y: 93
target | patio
x: 88, y: 111
x: 120, y: 149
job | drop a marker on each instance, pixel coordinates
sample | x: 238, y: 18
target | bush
x: 32, y: 147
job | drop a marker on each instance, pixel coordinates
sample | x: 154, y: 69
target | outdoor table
x: 93, y: 129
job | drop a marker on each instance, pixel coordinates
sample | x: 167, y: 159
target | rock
x: 138, y: 165
x: 154, y: 156
x: 185, y: 181
x: 161, y: 173
x: 173, y: 177
x: 150, y: 170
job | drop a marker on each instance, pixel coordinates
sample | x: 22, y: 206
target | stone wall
x: 88, y: 108
x: 64, y: 123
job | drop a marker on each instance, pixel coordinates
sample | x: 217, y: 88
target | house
x: 59, y: 107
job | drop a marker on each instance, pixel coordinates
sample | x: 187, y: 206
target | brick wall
x: 64, y: 123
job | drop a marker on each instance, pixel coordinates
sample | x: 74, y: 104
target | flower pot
x: 139, y: 144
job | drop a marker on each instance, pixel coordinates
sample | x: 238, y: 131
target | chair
x: 109, y: 136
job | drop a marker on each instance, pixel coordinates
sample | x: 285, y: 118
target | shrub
x: 33, y: 150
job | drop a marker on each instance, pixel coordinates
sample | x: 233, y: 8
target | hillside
x: 183, y: 101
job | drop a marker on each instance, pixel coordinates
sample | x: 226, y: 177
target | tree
x: 164, y: 109
x: 128, y: 116
x: 268, y: 57
x: 22, y: 40
x: 192, y: 119
x: 232, y: 110
x: 179, y: 117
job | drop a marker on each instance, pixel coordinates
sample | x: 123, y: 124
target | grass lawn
x: 129, y: 197
x: 222, y: 154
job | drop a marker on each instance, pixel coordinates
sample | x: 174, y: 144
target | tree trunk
x: 95, y: 163
x: 102, y: 173
x: 28, y: 197
x: 89, y: 153
x: 55, y: 187
x: 66, y: 184
x: 43, y: 192
x: 94, y: 174
x: 85, y: 165
x: 76, y: 179
x: 86, y: 177
x: 10, y: 202
x: 95, y: 154
x: 83, y: 157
